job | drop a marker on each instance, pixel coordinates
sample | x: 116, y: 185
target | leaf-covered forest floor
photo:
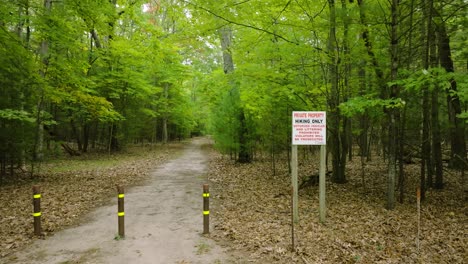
x: 250, y: 208
x: 71, y: 187
x: 253, y: 212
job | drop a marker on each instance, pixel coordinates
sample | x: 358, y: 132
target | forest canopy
x: 99, y: 74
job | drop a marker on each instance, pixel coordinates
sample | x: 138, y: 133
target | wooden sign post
x: 322, y: 205
x: 309, y: 128
x: 294, y: 184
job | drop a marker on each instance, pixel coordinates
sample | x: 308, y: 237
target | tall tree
x: 228, y: 64
x: 394, y: 113
x: 338, y: 138
x: 457, y: 126
x: 44, y: 50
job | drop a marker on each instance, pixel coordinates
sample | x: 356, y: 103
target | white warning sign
x: 309, y: 128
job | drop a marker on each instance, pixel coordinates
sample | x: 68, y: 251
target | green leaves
x: 11, y: 114
x: 92, y: 108
x: 432, y: 78
x: 368, y: 104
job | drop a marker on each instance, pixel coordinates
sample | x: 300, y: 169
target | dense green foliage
x: 109, y: 72
x: 89, y: 72
x: 369, y: 64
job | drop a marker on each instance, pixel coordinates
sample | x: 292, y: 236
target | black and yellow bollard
x: 37, y: 210
x: 121, y: 211
x: 206, y: 209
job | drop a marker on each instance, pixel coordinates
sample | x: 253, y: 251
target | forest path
x: 163, y: 222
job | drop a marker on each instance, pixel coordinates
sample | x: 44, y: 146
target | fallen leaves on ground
x: 70, y: 188
x: 251, y: 208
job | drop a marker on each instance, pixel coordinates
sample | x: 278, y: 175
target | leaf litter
x: 69, y: 189
x: 251, y: 209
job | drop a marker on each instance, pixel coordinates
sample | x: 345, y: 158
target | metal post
x: 37, y: 210
x: 121, y: 211
x: 206, y: 209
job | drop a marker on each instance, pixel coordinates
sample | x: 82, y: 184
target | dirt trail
x: 163, y: 223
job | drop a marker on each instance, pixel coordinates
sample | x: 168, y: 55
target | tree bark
x: 378, y: 73
x: 244, y: 155
x: 226, y: 36
x: 426, y: 167
x: 86, y: 130
x: 244, y: 152
x: 436, y: 141
x: 347, y: 137
x: 164, y: 119
x: 394, y: 113
x: 95, y: 36
x: 337, y: 150
x: 368, y: 44
x: 76, y: 135
x: 435, y: 123
x: 364, y: 117
x: 401, y: 144
x: 457, y: 126
x: 39, y: 144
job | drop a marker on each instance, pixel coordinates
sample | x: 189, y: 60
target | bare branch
x: 241, y: 24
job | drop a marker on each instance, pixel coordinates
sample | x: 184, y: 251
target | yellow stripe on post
x: 121, y: 210
x: 37, y: 210
x: 206, y: 209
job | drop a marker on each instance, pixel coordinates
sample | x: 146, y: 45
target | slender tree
x: 337, y: 139
x: 457, y: 126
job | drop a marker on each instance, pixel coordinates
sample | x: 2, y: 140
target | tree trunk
x: 368, y: 44
x: 338, y: 175
x: 23, y: 10
x: 226, y: 36
x: 39, y: 145
x: 425, y: 145
x: 114, y: 144
x: 347, y: 135
x: 27, y: 38
x: 164, y: 119
x: 244, y: 152
x: 435, y: 124
x: 457, y: 126
x: 426, y: 167
x: 76, y: 135
x: 401, y: 144
x: 394, y: 113
x: 363, y: 118
x: 244, y: 155
x: 86, y: 129
x: 436, y: 141
x: 378, y: 73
